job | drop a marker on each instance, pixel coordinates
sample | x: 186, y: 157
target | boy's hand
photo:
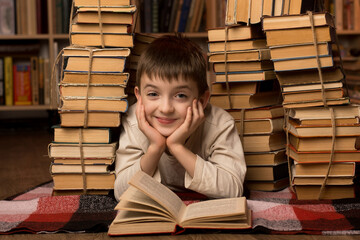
x: 156, y: 140
x: 194, y: 117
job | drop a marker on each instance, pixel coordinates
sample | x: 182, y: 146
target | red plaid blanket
x: 273, y: 212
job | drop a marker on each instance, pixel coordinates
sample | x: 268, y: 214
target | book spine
x: 22, y: 84
x: 7, y: 17
x: 8, y: 81
x: 34, y: 63
x: 184, y: 15
x: 155, y: 16
x: 2, y: 86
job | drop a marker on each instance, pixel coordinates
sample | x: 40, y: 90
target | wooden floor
x: 25, y: 165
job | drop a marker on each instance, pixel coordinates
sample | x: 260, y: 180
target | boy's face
x: 165, y: 102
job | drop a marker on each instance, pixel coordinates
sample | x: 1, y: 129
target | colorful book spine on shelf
x: 22, y: 84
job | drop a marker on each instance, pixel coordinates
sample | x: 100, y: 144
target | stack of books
x: 245, y: 85
x: 92, y: 96
x: 321, y: 125
x: 310, y: 147
x: 110, y: 28
x: 251, y: 12
x: 299, y: 50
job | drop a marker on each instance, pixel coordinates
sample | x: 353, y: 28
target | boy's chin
x: 165, y: 133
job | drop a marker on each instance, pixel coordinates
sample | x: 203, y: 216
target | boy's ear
x: 204, y: 99
x: 137, y: 92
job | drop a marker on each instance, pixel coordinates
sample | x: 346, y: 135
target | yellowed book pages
x: 75, y: 181
x: 319, y: 180
x: 347, y: 111
x: 323, y: 130
x: 71, y: 161
x: 94, y: 40
x: 246, y: 101
x: 95, y: 104
x: 95, y: 78
x: 246, y: 76
x: 264, y: 143
x: 307, y: 192
x: 260, y: 126
x: 234, y: 88
x: 298, y: 36
x: 89, y: 135
x: 235, y: 33
x: 320, y: 169
x: 237, y: 45
x: 247, y: 55
x: 317, y: 103
x: 265, y: 158
x: 310, y: 76
x: 71, y: 150
x: 303, y: 63
x: 258, y: 113
x: 324, y: 156
x: 104, y: 3
x: 300, y: 50
x: 95, y: 28
x: 297, y: 21
x: 310, y: 87
x: 243, y: 66
x: 313, y: 144
x: 94, y: 119
x: 306, y: 96
x: 71, y: 90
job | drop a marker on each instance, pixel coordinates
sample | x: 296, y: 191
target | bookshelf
x: 47, y: 41
x: 347, y: 23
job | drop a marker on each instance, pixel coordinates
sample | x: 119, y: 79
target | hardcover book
x: 148, y: 207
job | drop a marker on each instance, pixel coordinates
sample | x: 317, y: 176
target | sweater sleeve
x: 132, y: 145
x: 223, y: 171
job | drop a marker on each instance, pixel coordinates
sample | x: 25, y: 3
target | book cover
x: 22, y: 84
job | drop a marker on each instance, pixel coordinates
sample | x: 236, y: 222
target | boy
x: 172, y: 133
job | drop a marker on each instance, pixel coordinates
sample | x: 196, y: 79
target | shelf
x: 185, y: 34
x: 347, y: 32
x: 61, y: 36
x: 24, y: 37
x: 23, y: 108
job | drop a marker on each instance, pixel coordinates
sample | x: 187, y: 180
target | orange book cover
x: 22, y: 84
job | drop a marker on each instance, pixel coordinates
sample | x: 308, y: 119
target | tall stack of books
x: 245, y: 85
x: 92, y: 97
x: 321, y: 125
x: 294, y: 53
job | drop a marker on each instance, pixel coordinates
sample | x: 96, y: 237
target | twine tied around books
x: 311, y: 17
x: 242, y: 118
x: 83, y: 174
x: 100, y: 25
x: 226, y: 67
x: 86, y: 108
x: 332, y: 154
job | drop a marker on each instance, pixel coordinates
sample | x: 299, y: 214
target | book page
x: 160, y: 193
x: 217, y: 208
x: 135, y: 200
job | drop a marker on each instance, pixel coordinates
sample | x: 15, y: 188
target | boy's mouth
x: 165, y: 120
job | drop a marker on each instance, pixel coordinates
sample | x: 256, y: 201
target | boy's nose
x: 166, y: 106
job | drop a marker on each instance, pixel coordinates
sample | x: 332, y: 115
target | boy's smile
x: 166, y: 102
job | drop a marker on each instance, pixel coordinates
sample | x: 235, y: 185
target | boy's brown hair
x: 171, y: 57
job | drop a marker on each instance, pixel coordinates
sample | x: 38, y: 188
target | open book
x: 148, y: 207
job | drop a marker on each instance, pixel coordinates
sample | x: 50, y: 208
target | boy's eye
x: 181, y: 95
x: 151, y: 94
